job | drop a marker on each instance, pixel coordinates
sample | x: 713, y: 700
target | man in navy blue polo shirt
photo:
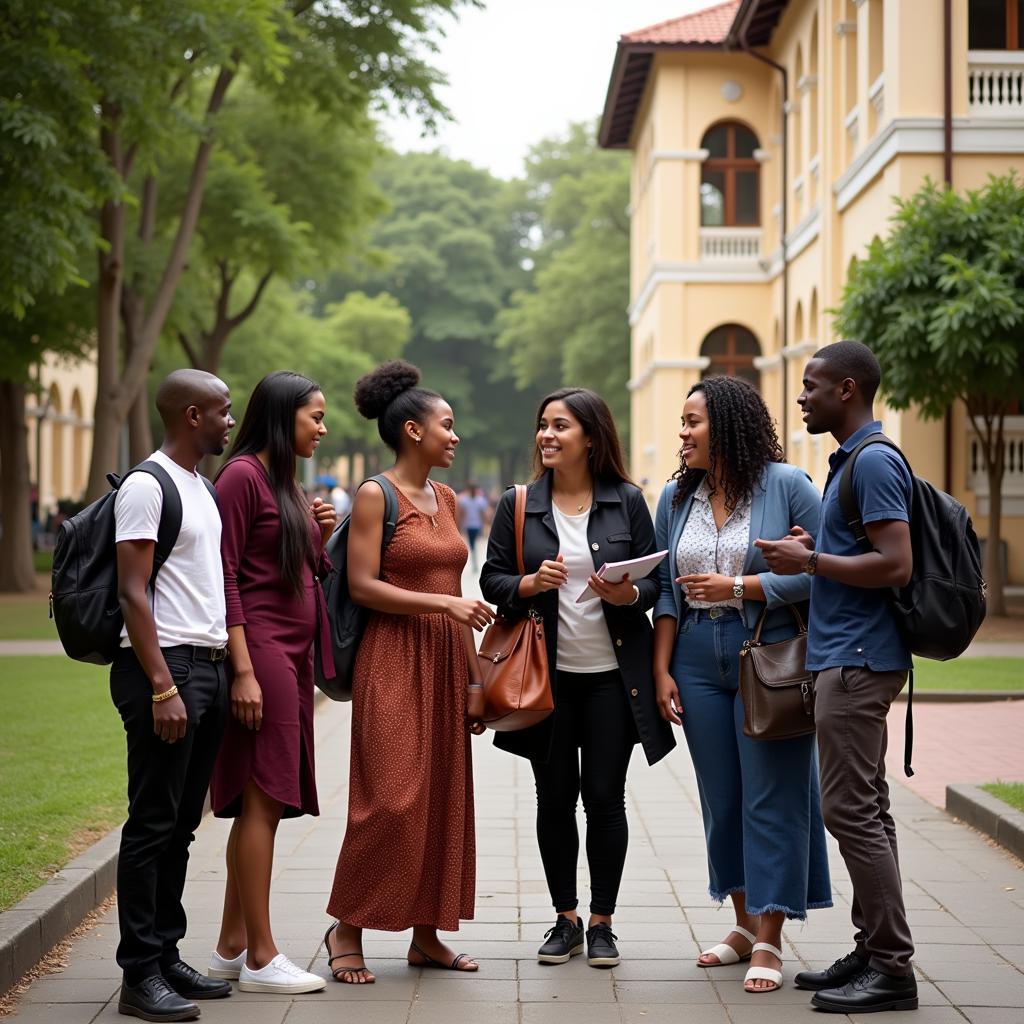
x: 860, y: 663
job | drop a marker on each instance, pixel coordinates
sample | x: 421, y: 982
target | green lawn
x: 1011, y: 793
x: 27, y: 618
x: 62, y: 762
x: 43, y: 561
x: 970, y: 674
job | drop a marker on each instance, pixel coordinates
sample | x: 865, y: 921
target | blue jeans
x: 759, y: 798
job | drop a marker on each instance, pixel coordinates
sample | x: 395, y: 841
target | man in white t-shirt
x: 169, y: 684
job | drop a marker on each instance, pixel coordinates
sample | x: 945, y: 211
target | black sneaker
x: 601, y: 951
x: 565, y: 940
x: 870, y: 992
x: 845, y: 969
x: 154, y: 999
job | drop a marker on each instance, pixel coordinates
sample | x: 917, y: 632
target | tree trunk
x: 17, y: 573
x: 140, y: 431
x: 993, y: 568
x: 118, y: 387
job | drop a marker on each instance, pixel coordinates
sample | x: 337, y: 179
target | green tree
x: 569, y: 326
x: 941, y: 303
x: 151, y: 64
x: 288, y: 194
x: 449, y: 250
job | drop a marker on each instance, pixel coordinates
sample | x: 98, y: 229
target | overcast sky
x: 520, y: 70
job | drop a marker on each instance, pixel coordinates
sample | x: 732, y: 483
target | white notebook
x: 614, y: 572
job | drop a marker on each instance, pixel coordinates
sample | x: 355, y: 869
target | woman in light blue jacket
x: 760, y: 800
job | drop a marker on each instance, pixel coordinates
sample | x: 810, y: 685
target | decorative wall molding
x: 846, y: 28
x: 667, y: 272
x: 696, y: 363
x: 805, y: 83
x: 924, y: 135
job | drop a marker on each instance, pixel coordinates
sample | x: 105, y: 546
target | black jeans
x: 167, y: 784
x: 594, y: 734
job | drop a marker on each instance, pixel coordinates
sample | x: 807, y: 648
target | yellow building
x: 768, y: 139
x: 59, y: 422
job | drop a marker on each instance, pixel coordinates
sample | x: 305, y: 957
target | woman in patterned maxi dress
x: 408, y: 858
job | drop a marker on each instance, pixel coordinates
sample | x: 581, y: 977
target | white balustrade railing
x: 1013, y: 460
x: 733, y: 244
x: 995, y: 83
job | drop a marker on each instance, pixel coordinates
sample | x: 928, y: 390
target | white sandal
x: 725, y: 953
x: 764, y: 973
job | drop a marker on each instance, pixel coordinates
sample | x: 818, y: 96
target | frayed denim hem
x: 791, y: 915
x: 718, y: 895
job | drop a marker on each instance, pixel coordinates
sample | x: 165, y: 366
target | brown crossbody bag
x: 514, y: 659
x: 775, y: 686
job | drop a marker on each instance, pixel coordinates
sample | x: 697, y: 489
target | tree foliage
x: 941, y: 303
x: 569, y: 326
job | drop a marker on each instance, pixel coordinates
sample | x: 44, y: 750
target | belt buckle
x: 716, y: 612
x: 218, y: 654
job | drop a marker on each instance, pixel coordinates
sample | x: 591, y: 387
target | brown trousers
x: 850, y: 709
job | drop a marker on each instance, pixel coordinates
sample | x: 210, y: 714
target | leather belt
x: 214, y: 654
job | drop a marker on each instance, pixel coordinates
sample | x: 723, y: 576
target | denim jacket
x: 785, y: 497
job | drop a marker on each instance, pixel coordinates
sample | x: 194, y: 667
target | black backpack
x: 943, y: 605
x: 83, y: 591
x: 346, y: 618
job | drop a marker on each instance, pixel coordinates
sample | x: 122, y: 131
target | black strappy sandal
x: 339, y: 974
x: 429, y: 961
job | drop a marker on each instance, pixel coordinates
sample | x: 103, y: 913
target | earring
x: 418, y: 439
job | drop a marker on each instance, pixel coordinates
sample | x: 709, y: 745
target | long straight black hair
x: 269, y: 425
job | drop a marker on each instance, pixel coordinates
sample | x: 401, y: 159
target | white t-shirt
x: 188, y: 605
x: 583, y: 641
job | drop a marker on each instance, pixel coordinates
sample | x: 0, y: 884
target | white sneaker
x: 280, y: 975
x: 221, y: 968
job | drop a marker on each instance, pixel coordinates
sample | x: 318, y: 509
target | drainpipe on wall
x: 784, y: 334
x: 947, y: 176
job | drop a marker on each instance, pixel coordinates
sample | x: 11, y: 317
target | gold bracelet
x: 166, y: 695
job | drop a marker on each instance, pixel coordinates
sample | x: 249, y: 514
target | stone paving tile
x: 966, y: 903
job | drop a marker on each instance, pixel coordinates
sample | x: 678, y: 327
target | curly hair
x: 743, y: 440
x: 391, y: 395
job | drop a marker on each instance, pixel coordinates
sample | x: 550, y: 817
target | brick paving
x: 966, y: 902
x: 975, y: 743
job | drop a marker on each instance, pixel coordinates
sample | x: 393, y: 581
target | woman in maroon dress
x: 272, y: 544
x: 409, y: 856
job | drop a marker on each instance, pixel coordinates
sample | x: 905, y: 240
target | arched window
x: 730, y: 186
x: 732, y: 350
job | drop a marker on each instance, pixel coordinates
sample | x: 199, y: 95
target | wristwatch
x: 737, y: 587
x: 812, y: 564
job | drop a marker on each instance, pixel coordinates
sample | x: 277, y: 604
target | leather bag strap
x: 520, y: 526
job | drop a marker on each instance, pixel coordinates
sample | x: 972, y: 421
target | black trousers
x: 167, y: 784
x: 594, y: 734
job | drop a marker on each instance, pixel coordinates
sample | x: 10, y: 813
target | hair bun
x: 376, y: 390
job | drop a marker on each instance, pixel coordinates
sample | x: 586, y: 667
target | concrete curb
x: 31, y: 928
x: 960, y: 696
x: 988, y: 814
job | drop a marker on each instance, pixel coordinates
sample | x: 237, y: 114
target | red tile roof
x: 708, y: 26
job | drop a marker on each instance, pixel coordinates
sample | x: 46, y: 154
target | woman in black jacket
x: 581, y: 511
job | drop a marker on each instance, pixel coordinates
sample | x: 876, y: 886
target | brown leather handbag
x: 776, y: 689
x: 514, y: 659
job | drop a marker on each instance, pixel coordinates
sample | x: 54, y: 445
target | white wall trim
x: 804, y: 233
x: 696, y: 363
x: 767, y: 362
x: 700, y: 155
x: 924, y: 135
x: 846, y: 28
x: 704, y: 272
x: 806, y: 82
x: 762, y: 155
x: 801, y: 348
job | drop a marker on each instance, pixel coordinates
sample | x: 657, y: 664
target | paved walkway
x: 974, y: 743
x: 966, y: 903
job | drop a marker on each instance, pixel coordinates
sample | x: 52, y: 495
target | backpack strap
x: 851, y: 513
x: 170, y: 511
x: 390, y: 508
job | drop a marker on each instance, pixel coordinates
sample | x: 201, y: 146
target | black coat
x: 619, y: 527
